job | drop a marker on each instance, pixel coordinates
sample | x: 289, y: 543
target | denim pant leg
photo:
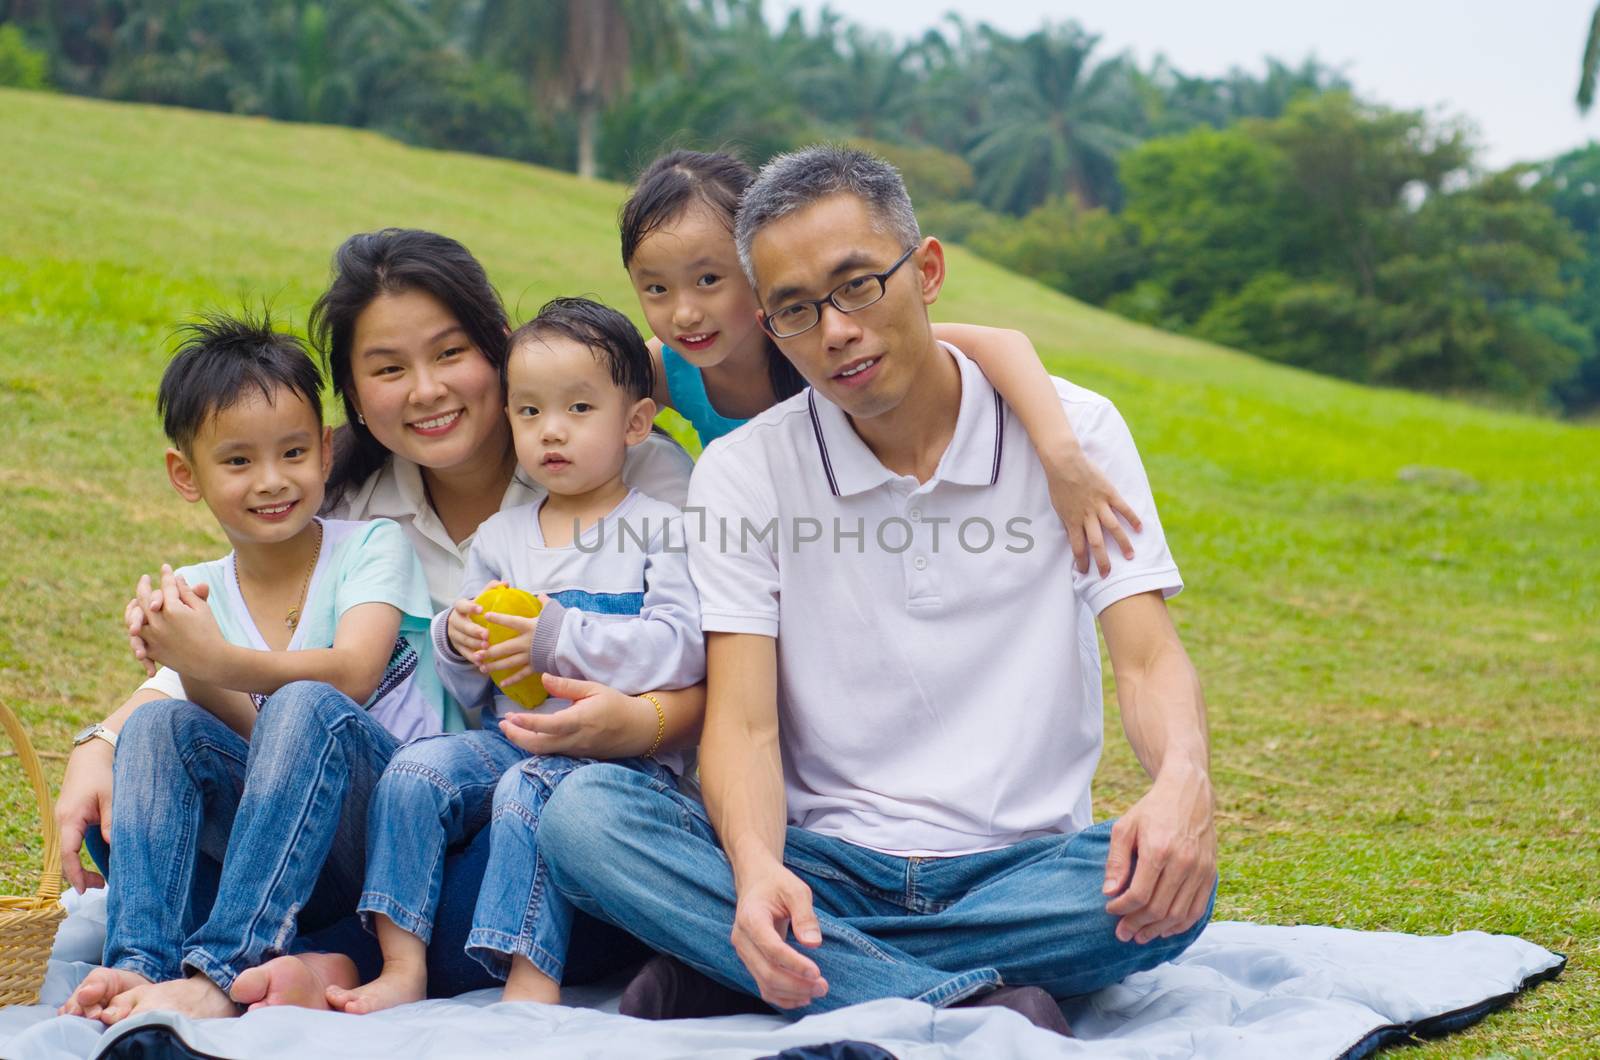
x: 450, y: 970
x: 519, y: 913
x: 435, y: 794
x: 1034, y: 911
x: 297, y: 853
x: 625, y: 847
x: 177, y: 777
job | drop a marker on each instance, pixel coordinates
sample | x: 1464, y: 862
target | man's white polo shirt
x: 938, y: 668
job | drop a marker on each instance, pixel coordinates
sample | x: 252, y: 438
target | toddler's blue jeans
x: 442, y: 791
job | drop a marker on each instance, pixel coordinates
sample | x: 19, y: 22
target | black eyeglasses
x: 855, y: 293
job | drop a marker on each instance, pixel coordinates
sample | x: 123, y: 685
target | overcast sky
x: 1511, y: 66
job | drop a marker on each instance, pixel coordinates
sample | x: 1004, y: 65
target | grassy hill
x: 1391, y: 598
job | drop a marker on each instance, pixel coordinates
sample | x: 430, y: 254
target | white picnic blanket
x: 1241, y: 991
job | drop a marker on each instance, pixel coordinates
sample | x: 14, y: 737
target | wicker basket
x: 28, y: 925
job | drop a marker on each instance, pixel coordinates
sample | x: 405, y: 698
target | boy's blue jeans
x: 623, y: 846
x: 223, y: 851
x: 441, y: 791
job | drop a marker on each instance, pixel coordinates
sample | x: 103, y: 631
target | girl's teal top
x: 688, y: 392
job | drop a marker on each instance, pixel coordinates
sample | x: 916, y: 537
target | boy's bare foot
x: 397, y: 984
x: 297, y: 979
x: 98, y: 989
x: 196, y: 996
x: 528, y: 983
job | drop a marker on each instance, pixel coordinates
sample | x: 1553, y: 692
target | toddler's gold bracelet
x: 661, y: 723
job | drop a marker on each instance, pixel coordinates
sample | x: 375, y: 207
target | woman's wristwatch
x: 95, y: 732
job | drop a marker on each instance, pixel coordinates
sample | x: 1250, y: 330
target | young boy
x: 297, y: 599
x: 619, y: 609
x: 242, y: 405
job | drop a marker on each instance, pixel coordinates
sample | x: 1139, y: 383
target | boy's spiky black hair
x: 222, y: 358
x: 610, y: 334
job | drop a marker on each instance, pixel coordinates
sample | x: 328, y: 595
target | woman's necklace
x: 292, y: 619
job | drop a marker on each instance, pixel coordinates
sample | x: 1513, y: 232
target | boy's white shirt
x: 357, y: 563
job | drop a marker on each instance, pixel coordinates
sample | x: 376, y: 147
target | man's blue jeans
x: 442, y: 791
x: 224, y: 851
x: 624, y: 846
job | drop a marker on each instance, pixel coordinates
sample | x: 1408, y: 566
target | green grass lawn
x: 1401, y: 664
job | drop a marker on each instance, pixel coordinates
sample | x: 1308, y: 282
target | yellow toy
x: 530, y: 691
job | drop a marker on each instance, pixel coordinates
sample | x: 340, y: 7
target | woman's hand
x: 84, y: 803
x: 1088, y: 506
x: 601, y: 723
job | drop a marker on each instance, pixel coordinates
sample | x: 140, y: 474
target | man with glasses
x: 903, y: 710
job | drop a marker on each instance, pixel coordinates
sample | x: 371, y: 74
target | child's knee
x: 521, y: 794
x: 165, y: 723
x: 303, y: 705
x: 509, y: 791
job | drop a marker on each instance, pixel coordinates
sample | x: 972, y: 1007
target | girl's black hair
x: 394, y: 261
x: 672, y: 184
x: 612, y: 336
x: 221, y: 359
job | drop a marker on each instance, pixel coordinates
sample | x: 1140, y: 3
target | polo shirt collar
x: 972, y: 458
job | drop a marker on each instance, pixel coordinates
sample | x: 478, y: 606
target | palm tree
x: 1054, y: 123
x: 581, y: 54
x: 1591, y: 64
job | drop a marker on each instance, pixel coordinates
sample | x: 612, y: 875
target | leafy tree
x: 1206, y: 206
x: 20, y: 65
x: 1089, y: 254
x: 1572, y: 185
x: 1350, y: 164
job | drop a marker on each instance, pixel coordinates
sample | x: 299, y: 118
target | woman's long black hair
x: 394, y: 261
x: 672, y: 184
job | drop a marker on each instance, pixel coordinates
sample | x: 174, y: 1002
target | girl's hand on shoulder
x: 1088, y: 505
x: 600, y: 723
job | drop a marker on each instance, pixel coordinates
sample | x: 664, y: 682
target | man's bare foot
x: 98, y: 989
x: 398, y: 984
x: 298, y: 979
x: 195, y: 996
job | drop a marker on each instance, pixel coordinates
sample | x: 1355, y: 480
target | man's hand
x: 1163, y: 859
x: 770, y: 905
x: 600, y: 723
